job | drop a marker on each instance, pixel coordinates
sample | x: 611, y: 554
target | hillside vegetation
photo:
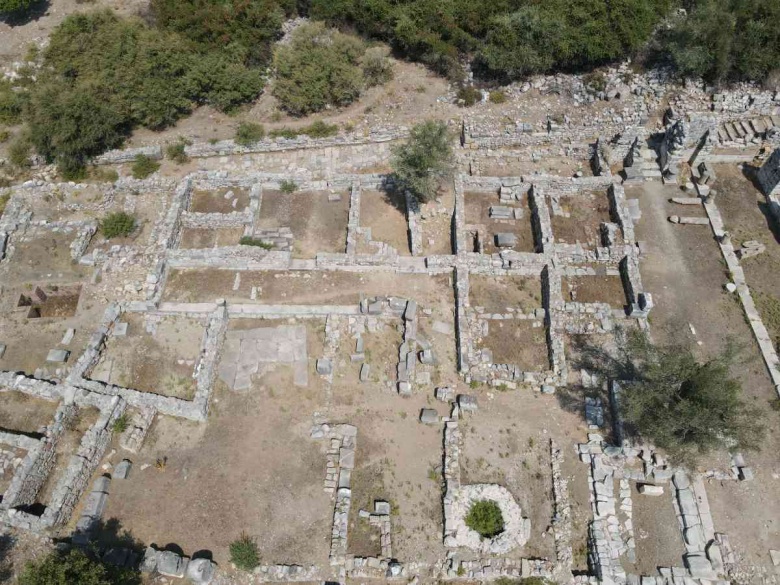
x: 101, y: 75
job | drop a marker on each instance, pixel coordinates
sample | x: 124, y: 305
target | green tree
x: 16, y: 6
x: 425, y: 158
x: 74, y: 568
x: 686, y: 406
x: 320, y: 67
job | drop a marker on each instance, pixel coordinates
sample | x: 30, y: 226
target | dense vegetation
x: 102, y: 75
x: 75, y: 568
x: 321, y: 67
x: 243, y: 553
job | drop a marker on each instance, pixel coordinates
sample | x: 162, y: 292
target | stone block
x: 382, y: 507
x: 745, y: 474
x: 59, y: 356
x: 122, y: 470
x: 404, y: 388
x: 444, y: 393
x: 120, y: 329
x: 68, y: 337
x: 171, y: 565
x: 429, y: 416
x: 426, y: 356
x: 506, y: 240
x: 324, y: 367
x: 365, y: 370
x: 651, y: 490
x: 467, y: 403
x: 2, y: 349
x: 200, y: 571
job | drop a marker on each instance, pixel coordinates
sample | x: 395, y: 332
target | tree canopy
x: 420, y: 162
x: 74, y: 568
x: 687, y: 406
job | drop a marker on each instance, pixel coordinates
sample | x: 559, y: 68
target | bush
x: 117, y: 225
x: 497, y: 97
x: 248, y: 133
x: 5, y: 135
x: 317, y: 129
x: 287, y: 186
x: 143, y: 166
x: 243, y: 553
x: 19, y: 151
x: 320, y: 67
x: 250, y: 241
x: 4, y: 198
x: 11, y: 103
x: 484, y: 517
x: 75, y: 568
x: 470, y: 95
x: 377, y: 69
x: 423, y: 159
x: 176, y: 153
x: 121, y: 423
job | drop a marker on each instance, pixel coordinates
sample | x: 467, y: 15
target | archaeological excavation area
x: 347, y: 378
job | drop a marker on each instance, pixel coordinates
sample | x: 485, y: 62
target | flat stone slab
x: 251, y: 352
x: 58, y: 356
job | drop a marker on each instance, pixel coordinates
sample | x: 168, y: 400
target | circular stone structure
x: 516, y: 531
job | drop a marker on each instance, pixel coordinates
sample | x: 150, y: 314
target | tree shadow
x: 6, y: 544
x: 393, y: 192
x: 22, y: 17
x: 108, y: 534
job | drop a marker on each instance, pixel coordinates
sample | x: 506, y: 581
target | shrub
x: 118, y: 224
x: 320, y: 67
x: 423, y: 159
x: 176, y: 153
x: 497, y: 97
x: 75, y: 567
x: 377, y: 69
x: 317, y: 129
x: 250, y: 241
x: 143, y: 166
x: 11, y: 103
x: 484, y: 517
x: 4, y: 198
x: 121, y: 423
x: 248, y: 133
x: 595, y: 81
x: 470, y: 95
x: 19, y: 151
x: 243, y: 553
x: 4, y: 135
x: 287, y: 186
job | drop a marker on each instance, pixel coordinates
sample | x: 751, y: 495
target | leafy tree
x: 15, y: 6
x: 320, y: 67
x: 484, y: 516
x: 243, y: 553
x: 117, y: 225
x: 423, y: 159
x: 687, y: 406
x: 74, y: 568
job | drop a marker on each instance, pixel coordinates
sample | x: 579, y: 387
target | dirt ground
x: 436, y: 223
x: 336, y: 288
x: 45, y: 255
x: 22, y: 413
x: 587, y: 210
x: 478, y: 205
x: 511, y: 165
x: 387, y: 222
x: 318, y: 225
x: 686, y: 274
x: 595, y: 289
x: 162, y: 363
x: 218, y: 201
x: 518, y: 342
x: 251, y: 469
x: 207, y: 238
x: 657, y: 533
x: 500, y: 293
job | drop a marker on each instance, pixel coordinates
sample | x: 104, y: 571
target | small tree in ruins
x: 423, y: 160
x: 686, y: 406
